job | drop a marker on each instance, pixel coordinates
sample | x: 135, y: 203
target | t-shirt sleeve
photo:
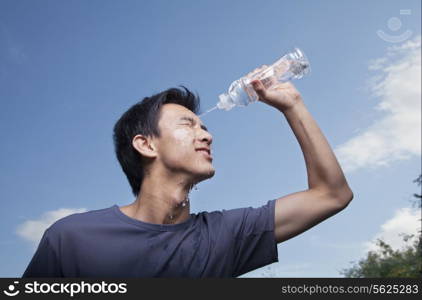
x: 253, y: 237
x: 44, y: 263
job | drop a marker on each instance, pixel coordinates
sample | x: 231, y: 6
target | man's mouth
x: 206, y: 151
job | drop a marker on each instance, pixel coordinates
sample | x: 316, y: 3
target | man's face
x: 185, y: 144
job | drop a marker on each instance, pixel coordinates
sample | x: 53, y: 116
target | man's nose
x: 206, y: 137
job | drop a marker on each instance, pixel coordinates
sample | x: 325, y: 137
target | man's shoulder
x: 240, y: 215
x: 79, y: 220
x: 218, y: 216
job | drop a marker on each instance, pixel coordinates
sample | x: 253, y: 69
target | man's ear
x: 144, y: 145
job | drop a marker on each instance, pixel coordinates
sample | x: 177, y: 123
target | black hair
x: 142, y: 118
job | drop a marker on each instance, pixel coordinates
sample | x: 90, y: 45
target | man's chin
x: 206, y: 175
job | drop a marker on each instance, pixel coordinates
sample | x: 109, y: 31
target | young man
x: 164, y: 150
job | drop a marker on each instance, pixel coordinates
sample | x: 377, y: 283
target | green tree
x: 387, y: 262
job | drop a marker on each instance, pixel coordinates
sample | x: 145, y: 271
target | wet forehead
x: 171, y: 112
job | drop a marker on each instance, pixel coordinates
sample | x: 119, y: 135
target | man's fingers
x: 259, y: 88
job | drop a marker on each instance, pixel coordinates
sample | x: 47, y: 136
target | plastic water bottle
x: 293, y: 65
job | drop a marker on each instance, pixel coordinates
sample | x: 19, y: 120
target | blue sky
x: 69, y: 69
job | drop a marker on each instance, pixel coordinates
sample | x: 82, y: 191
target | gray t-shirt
x: 108, y: 243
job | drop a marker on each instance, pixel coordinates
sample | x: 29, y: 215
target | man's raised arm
x: 328, y: 191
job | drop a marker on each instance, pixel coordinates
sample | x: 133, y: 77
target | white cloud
x: 396, y: 135
x: 32, y: 230
x: 404, y: 221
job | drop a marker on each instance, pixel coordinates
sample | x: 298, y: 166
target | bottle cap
x: 225, y: 102
x: 302, y: 61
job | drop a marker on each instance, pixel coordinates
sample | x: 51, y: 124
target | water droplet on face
x: 183, y: 137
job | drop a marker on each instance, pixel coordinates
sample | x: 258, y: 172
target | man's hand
x: 282, y: 96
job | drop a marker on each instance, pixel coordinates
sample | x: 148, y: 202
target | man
x: 164, y: 150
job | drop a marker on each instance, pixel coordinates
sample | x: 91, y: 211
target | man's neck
x: 161, y: 201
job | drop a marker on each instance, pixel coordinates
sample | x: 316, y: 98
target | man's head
x: 163, y: 133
